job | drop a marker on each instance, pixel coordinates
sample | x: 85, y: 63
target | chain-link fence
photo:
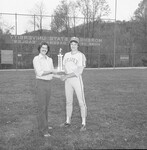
x: 102, y: 41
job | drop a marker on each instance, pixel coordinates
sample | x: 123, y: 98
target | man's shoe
x: 83, y: 128
x: 65, y: 124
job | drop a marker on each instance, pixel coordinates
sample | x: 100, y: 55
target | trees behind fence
x: 123, y: 43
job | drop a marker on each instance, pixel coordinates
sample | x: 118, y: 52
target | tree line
x: 131, y: 36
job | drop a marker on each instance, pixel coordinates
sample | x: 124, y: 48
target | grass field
x: 117, y: 112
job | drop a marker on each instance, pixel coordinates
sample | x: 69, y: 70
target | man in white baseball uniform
x: 74, y: 63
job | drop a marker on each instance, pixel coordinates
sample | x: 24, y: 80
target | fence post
x: 16, y: 34
x: 15, y: 23
x: 34, y: 22
x: 99, y: 58
x: 132, y: 60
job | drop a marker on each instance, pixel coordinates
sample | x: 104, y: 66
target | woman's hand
x: 55, y: 71
x: 63, y: 77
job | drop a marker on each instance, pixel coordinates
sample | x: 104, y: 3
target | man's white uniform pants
x: 71, y: 85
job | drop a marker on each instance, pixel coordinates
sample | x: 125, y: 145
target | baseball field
x: 117, y: 112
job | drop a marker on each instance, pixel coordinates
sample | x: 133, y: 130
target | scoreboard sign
x: 124, y: 57
x: 21, y: 39
x: 6, y: 56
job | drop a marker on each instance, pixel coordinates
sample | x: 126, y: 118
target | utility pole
x: 114, y: 55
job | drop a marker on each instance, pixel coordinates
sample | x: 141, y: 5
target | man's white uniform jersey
x: 72, y: 62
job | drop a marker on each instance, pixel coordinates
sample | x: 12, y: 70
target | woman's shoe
x: 50, y: 128
x: 46, y: 135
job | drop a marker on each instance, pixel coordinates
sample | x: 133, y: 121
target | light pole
x: 115, y: 34
x: 16, y: 44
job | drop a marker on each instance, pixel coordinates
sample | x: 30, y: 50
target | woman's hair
x: 43, y: 43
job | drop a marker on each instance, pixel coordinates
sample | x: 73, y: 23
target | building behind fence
x: 100, y: 41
